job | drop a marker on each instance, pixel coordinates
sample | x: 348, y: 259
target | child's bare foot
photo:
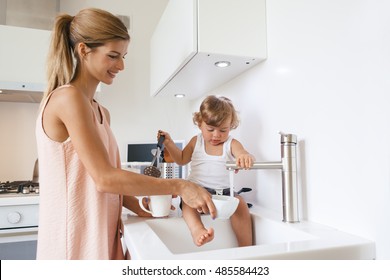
x: 202, y: 236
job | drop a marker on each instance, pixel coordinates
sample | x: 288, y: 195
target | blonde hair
x: 214, y: 110
x: 93, y: 27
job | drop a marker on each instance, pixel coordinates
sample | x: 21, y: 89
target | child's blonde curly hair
x: 214, y: 110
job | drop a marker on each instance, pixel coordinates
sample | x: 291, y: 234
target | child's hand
x: 168, y: 137
x: 245, y: 161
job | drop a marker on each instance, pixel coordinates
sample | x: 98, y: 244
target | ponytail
x: 60, y: 61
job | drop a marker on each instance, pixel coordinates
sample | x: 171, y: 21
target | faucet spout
x: 288, y: 166
x: 231, y: 165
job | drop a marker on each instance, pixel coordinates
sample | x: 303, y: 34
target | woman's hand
x: 140, y: 212
x: 198, y: 198
x: 131, y: 203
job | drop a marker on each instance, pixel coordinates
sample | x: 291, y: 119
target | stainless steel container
x: 169, y: 170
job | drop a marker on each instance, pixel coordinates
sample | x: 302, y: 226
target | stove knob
x: 14, y: 217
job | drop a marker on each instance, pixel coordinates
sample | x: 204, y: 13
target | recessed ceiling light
x: 222, y: 64
x: 180, y: 95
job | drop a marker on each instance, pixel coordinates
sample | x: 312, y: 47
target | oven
x: 19, y: 203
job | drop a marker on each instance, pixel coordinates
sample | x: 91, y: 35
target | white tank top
x: 208, y: 170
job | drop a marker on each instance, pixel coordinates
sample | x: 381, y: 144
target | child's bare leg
x: 242, y: 224
x: 199, y: 233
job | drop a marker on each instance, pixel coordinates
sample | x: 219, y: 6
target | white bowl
x: 226, y: 205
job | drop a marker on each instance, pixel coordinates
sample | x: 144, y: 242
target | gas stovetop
x: 19, y: 187
x: 19, y: 201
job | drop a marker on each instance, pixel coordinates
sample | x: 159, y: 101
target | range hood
x: 23, y: 53
x: 21, y: 92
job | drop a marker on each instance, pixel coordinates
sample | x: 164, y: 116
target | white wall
x: 326, y: 79
x: 18, y: 150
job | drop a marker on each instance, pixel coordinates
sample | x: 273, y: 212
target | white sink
x: 169, y: 238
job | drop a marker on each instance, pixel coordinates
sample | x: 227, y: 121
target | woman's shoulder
x: 66, y: 92
x: 66, y: 88
x: 67, y: 99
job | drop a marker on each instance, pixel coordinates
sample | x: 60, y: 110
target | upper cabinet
x: 25, y: 28
x: 23, y: 53
x: 194, y: 36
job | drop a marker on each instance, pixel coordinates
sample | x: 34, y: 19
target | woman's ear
x: 83, y: 49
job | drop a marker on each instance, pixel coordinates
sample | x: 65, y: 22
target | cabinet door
x: 232, y: 27
x: 174, y: 42
x: 23, y: 53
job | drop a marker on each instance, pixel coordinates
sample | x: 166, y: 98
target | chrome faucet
x: 288, y: 165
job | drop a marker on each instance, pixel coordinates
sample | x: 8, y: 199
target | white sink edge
x: 328, y: 243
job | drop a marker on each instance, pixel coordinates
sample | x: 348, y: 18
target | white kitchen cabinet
x: 192, y: 35
x: 23, y: 53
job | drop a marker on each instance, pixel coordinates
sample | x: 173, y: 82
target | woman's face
x: 104, y: 62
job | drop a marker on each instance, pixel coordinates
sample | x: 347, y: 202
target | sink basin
x: 169, y: 238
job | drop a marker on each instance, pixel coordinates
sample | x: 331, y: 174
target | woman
x: 82, y: 187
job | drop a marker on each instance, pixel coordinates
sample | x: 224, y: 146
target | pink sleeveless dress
x: 75, y: 220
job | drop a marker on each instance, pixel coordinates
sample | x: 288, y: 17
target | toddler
x: 208, y: 152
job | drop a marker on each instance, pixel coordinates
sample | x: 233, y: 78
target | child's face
x: 216, y: 135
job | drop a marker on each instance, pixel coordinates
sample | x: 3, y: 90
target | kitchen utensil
x: 152, y: 170
x: 168, y: 170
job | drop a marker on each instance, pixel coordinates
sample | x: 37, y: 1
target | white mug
x: 159, y: 205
